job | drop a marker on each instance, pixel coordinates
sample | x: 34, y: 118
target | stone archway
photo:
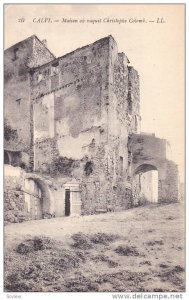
x: 144, y: 168
x: 149, y: 152
x: 145, y: 184
x: 47, y: 199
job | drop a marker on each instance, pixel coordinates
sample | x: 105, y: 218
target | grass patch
x: 153, y: 243
x: 103, y: 238
x: 173, y: 275
x: 86, y: 241
x: 178, y: 269
x: 106, y: 259
x: 127, y: 251
x: 35, y: 244
x: 87, y: 261
x: 81, y: 241
x: 17, y: 286
x: 163, y: 266
x: 39, y: 269
x: 124, y: 281
x: 146, y: 262
x: 81, y: 284
x: 68, y: 259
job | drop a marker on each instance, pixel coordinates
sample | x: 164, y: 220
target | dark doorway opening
x: 67, y: 203
x: 6, y: 158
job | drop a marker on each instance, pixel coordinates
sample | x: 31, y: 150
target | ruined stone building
x: 72, y: 134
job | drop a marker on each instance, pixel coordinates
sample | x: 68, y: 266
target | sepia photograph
x: 94, y: 148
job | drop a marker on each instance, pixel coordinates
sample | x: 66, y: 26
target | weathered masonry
x: 149, y: 154
x: 73, y: 127
x: 18, y: 59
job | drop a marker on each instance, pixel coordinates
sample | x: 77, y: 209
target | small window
x: 55, y: 68
x: 39, y: 77
x: 129, y: 157
x: 15, y: 54
x: 121, y: 165
x: 55, y: 64
x: 136, y: 123
x: 130, y: 105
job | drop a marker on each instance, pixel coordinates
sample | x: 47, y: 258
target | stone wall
x: 81, y: 120
x: 17, y: 103
x: 40, y: 54
x: 14, y: 202
x: 169, y: 186
x: 123, y: 83
x: 146, y: 147
x: 76, y: 119
x: 18, y: 122
x: 23, y: 192
x: 70, y: 98
x: 149, y: 153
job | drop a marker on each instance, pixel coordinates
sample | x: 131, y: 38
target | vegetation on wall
x: 65, y: 165
x: 88, y: 168
x: 9, y: 132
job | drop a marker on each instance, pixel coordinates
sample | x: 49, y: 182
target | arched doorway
x: 145, y: 184
x: 42, y: 188
x: 33, y: 199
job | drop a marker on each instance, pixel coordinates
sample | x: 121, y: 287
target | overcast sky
x: 156, y: 50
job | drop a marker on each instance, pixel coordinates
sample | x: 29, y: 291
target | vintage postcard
x: 94, y: 147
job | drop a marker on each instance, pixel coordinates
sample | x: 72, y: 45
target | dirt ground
x: 141, y: 249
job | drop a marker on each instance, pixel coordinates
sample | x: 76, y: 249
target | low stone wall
x: 14, y: 203
x: 14, y: 207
